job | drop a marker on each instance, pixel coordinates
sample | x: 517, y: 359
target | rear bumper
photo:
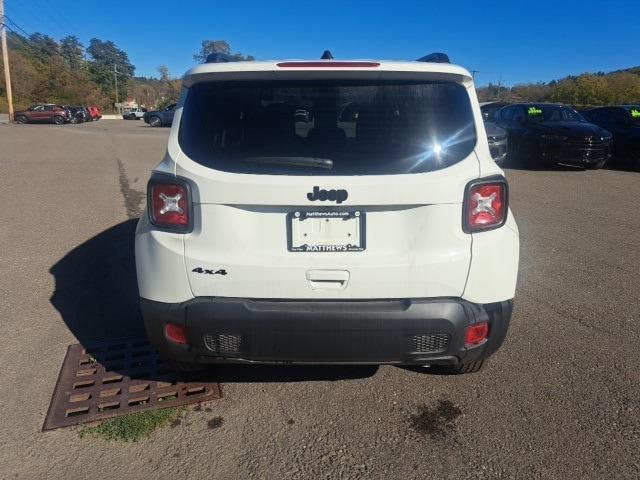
x: 406, y: 331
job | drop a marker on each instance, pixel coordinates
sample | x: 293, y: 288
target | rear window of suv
x: 328, y: 127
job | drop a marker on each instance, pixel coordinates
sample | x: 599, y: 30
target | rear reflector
x: 328, y: 64
x: 485, y: 205
x: 476, y: 334
x: 176, y: 333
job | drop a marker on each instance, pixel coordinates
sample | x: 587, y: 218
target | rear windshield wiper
x: 311, y: 162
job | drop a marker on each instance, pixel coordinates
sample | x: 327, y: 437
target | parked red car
x: 43, y: 113
x: 96, y: 113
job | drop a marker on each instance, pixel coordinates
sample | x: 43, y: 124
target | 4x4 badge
x: 337, y: 196
x: 207, y: 271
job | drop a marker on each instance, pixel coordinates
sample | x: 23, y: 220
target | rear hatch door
x: 347, y: 186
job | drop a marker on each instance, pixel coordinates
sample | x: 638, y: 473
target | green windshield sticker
x: 635, y: 113
x: 534, y: 111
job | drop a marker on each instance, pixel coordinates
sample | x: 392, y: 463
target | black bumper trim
x: 324, y: 331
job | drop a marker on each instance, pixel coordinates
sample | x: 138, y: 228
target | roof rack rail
x: 435, y: 57
x: 217, y: 57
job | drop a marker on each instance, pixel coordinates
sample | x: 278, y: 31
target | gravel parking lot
x: 560, y: 400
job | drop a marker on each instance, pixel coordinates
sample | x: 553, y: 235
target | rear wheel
x: 155, y: 122
x: 58, y: 120
x: 597, y: 165
x: 74, y: 120
x: 22, y: 119
x: 460, y: 369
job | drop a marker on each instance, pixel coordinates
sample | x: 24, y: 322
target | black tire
x: 155, y: 121
x: 22, y: 119
x: 58, y: 120
x: 460, y: 369
x: 74, y: 120
x: 597, y: 165
x: 183, y: 367
x: 514, y: 157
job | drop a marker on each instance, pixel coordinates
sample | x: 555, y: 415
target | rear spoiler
x: 435, y: 57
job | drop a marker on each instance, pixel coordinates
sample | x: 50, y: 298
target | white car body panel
x: 415, y: 244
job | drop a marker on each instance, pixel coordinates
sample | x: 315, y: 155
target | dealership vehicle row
x: 523, y: 134
x: 547, y: 134
x: 58, y: 114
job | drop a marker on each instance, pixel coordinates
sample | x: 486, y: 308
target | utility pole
x: 5, y: 60
x: 473, y: 74
x: 115, y: 77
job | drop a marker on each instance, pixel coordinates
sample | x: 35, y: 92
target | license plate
x: 326, y: 231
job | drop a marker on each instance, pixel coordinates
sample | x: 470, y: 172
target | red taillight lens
x: 328, y: 64
x: 169, y: 206
x: 476, y: 334
x: 176, y: 333
x: 485, y: 205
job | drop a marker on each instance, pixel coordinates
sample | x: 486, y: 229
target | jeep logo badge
x: 337, y: 196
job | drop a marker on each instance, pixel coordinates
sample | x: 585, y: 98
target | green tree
x: 72, y: 51
x: 623, y: 87
x: 44, y: 44
x: 219, y: 46
x: 584, y: 90
x: 107, y: 53
x: 106, y: 60
x: 171, y: 87
x: 40, y: 74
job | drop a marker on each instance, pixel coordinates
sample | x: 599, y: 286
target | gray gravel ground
x: 560, y: 400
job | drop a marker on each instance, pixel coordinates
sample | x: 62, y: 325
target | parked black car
x: 160, y: 118
x: 546, y: 133
x: 87, y: 114
x: 77, y: 114
x: 489, y: 109
x: 497, y: 138
x: 623, y: 121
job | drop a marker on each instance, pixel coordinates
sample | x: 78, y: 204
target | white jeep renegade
x: 328, y: 212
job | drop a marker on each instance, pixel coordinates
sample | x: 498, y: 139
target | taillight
x: 485, y: 205
x: 176, y: 333
x: 169, y: 204
x: 328, y: 64
x: 476, y: 334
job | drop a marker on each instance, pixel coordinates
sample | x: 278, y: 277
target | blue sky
x: 515, y: 41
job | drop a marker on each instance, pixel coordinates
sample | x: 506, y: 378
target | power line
x: 16, y: 25
x: 31, y: 11
x: 38, y: 52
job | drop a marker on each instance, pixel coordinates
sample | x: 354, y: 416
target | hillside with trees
x: 588, y: 89
x: 66, y: 72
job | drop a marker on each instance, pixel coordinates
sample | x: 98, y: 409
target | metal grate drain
x: 117, y: 378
